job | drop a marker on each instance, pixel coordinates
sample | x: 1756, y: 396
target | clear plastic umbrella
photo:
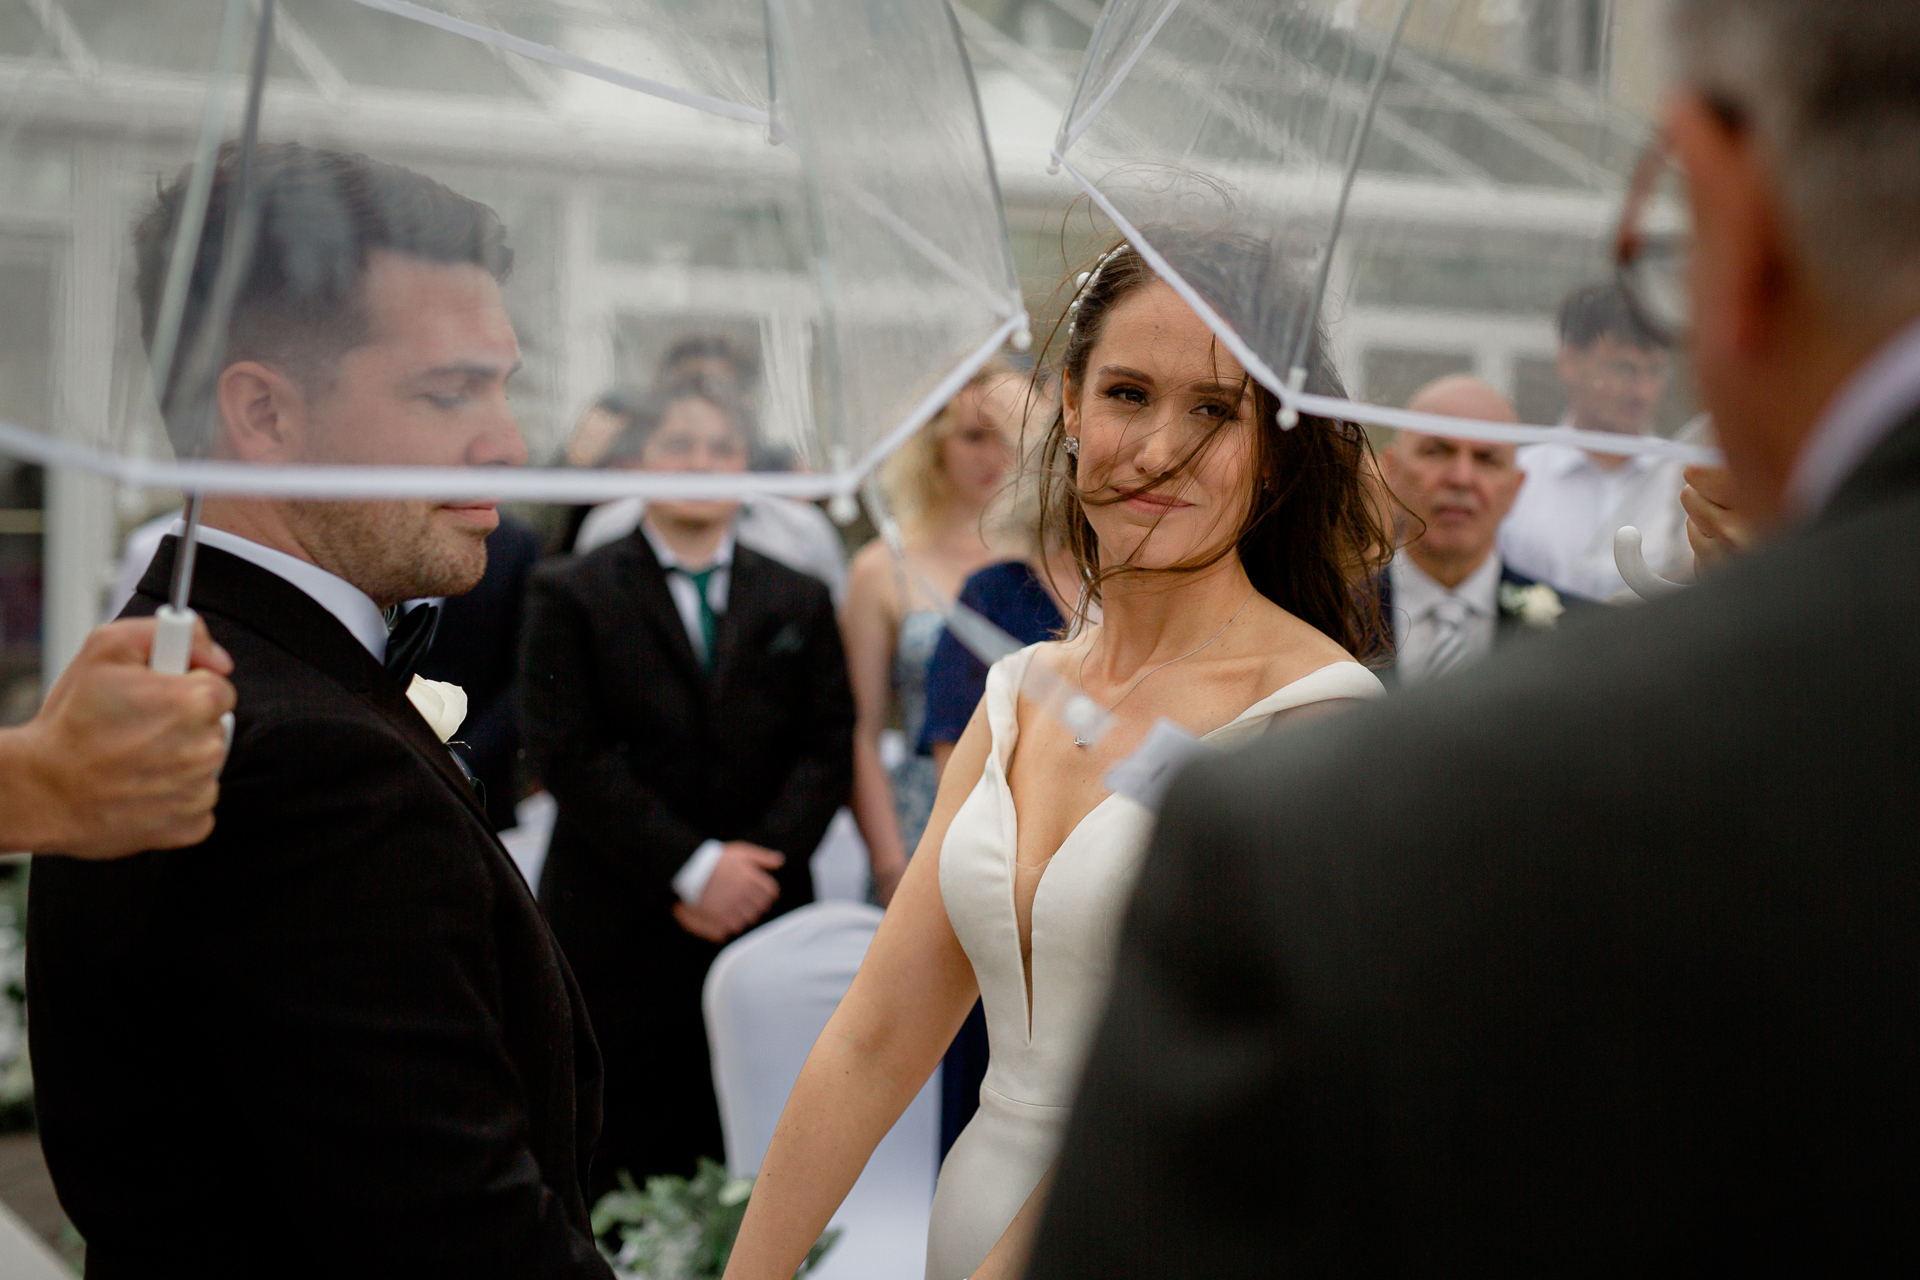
x: 808, y: 179
x: 1433, y: 177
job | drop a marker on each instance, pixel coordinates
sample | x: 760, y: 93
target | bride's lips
x: 480, y: 514
x: 1151, y: 501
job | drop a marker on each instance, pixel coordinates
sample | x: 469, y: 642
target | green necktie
x: 709, y: 620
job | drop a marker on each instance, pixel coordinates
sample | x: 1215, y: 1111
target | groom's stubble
x: 392, y: 550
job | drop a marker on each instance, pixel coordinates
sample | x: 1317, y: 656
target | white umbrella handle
x: 172, y: 640
x: 1646, y: 584
x: 173, y: 646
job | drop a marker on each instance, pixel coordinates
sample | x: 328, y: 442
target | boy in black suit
x: 336, y: 1038
x: 686, y: 701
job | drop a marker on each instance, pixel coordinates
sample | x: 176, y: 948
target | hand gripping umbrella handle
x: 173, y: 646
x: 1633, y: 566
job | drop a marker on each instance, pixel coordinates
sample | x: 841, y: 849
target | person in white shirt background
x: 1561, y: 528
x: 1448, y: 594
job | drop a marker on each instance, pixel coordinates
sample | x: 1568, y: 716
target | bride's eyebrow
x: 1122, y: 371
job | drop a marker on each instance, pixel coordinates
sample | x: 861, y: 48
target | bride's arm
x: 906, y: 1004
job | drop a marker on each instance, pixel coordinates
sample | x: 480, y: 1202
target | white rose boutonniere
x: 443, y: 706
x: 1536, y: 606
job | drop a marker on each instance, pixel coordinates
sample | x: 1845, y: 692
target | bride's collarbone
x: 1055, y: 785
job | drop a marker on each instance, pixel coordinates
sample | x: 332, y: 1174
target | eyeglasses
x: 1653, y: 244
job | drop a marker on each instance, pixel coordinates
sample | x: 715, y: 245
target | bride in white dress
x: 1229, y: 560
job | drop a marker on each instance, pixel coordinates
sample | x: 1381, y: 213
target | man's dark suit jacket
x: 337, y: 1038
x: 648, y: 757
x: 1603, y: 961
x: 478, y: 648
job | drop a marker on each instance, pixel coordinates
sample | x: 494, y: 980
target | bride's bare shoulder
x: 1058, y: 654
x: 1292, y: 646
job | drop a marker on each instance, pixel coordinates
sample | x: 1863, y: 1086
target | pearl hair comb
x: 1084, y: 282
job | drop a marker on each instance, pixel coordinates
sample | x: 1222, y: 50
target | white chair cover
x: 840, y: 864
x: 768, y: 997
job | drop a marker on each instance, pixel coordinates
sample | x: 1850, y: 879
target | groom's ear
x: 263, y: 413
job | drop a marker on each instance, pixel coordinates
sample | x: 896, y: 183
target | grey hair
x: 1832, y: 88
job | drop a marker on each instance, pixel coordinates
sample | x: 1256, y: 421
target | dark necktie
x: 709, y: 620
x: 408, y: 638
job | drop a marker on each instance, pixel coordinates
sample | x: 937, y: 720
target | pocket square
x: 786, y: 640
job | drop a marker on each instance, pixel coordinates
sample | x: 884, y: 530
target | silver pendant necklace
x: 1080, y: 739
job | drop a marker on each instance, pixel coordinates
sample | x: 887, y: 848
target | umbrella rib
x: 1423, y: 144
x: 1379, y: 415
x: 882, y: 213
x: 1296, y: 376
x: 565, y: 61
x: 1507, y: 121
x: 193, y: 215
x: 541, y: 484
x: 1004, y: 308
x: 1249, y: 359
x: 66, y: 37
x: 1074, y: 129
x: 1033, y: 70
x: 935, y: 400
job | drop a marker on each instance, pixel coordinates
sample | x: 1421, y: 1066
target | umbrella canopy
x: 1415, y: 167
x: 860, y: 275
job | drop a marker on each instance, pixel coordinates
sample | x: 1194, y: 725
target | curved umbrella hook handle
x: 1633, y: 566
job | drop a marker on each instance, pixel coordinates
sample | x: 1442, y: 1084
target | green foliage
x: 16, y: 1075
x: 680, y: 1228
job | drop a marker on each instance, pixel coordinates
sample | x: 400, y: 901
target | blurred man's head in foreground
x: 1797, y: 126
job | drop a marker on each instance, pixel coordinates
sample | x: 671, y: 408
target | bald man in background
x: 1447, y: 594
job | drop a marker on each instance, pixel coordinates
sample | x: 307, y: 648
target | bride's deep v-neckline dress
x: 1036, y: 1054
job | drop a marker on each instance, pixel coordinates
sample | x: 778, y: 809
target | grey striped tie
x: 1449, y: 647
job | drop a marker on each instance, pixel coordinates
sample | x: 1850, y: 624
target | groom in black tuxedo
x: 686, y: 700
x: 1605, y: 961
x: 336, y: 1038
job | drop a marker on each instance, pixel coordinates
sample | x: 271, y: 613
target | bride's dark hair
x: 1313, y: 539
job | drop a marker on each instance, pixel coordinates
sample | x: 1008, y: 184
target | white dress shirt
x: 1562, y: 525
x: 797, y: 534
x: 691, y: 880
x: 136, y: 553
x: 353, y: 607
x: 1879, y: 396
x: 1420, y: 605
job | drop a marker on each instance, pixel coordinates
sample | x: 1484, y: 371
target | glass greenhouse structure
x: 1484, y: 190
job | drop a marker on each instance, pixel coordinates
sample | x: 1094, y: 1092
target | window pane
x: 1393, y: 374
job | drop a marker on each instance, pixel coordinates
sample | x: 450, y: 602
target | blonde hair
x: 915, y: 478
